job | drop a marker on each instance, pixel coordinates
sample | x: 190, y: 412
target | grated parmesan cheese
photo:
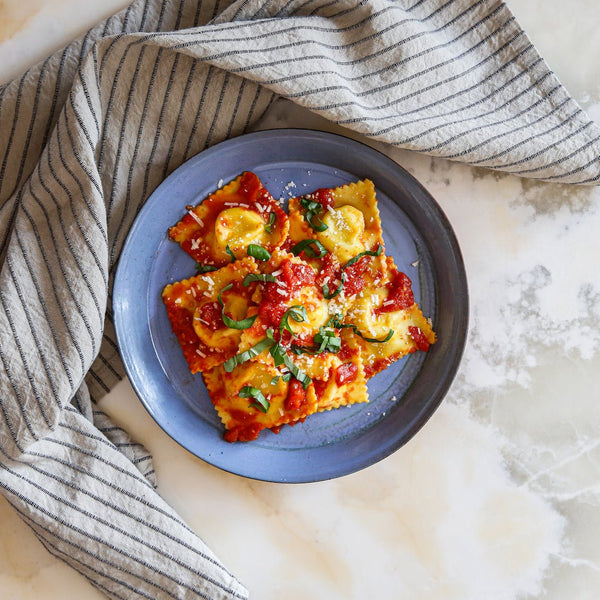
x: 196, y: 218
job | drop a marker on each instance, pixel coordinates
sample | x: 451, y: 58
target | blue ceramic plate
x: 291, y: 162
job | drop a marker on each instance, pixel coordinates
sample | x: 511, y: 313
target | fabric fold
x: 88, y: 134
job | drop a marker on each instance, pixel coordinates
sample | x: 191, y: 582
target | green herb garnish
x: 229, y: 251
x: 259, y: 400
x: 254, y: 277
x: 312, y: 209
x: 305, y: 246
x: 205, y: 268
x: 297, y: 313
x: 242, y: 357
x: 258, y: 252
x: 232, y: 323
x: 269, y: 225
x: 327, y: 294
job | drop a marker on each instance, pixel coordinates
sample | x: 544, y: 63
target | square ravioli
x: 255, y: 396
x: 226, y: 222
x: 345, y: 219
x: 196, y: 314
x: 388, y: 308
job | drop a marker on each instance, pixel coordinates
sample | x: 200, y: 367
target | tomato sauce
x: 354, y: 276
x: 346, y: 373
x: 323, y: 196
x: 296, y: 397
x: 419, y: 338
x: 211, y: 316
x: 400, y: 294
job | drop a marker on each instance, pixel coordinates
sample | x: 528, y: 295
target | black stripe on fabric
x: 123, y: 128
x: 568, y: 157
x: 91, y: 177
x: 78, y: 565
x: 130, y: 515
x: 501, y: 121
x: 52, y: 273
x: 199, y: 111
x: 108, y: 365
x: 63, y: 124
x: 33, y: 330
x: 118, y: 550
x: 464, y: 91
x: 52, y: 282
x: 25, y: 364
x: 11, y: 136
x: 216, y: 114
x: 236, y: 108
x: 420, y: 91
x: 527, y: 125
x: 92, y: 373
x: 182, y: 109
x: 57, y: 87
x: 158, y: 124
x: 257, y: 94
x: 32, y: 120
x: 5, y: 413
x: 75, y: 253
x: 108, y: 111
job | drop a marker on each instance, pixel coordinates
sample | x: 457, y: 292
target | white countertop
x: 498, y: 496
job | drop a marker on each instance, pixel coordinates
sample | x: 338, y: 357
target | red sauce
x: 272, y: 309
x: 320, y: 387
x: 211, y: 316
x: 329, y: 270
x: 346, y: 373
x: 296, y: 276
x: 419, y: 338
x: 252, y: 190
x: 245, y: 428
x: 400, y: 295
x: 296, y: 395
x: 354, y: 275
x: 323, y: 196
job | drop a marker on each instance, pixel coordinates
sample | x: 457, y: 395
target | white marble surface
x: 498, y: 496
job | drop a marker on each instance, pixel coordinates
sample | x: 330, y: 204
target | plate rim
x: 458, y: 341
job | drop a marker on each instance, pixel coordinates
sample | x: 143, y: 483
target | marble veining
x: 498, y: 496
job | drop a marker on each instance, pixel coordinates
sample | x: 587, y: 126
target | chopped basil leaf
x: 232, y: 323
x: 327, y: 294
x: 286, y: 377
x: 228, y: 250
x: 302, y: 377
x: 260, y: 402
x: 242, y: 357
x: 336, y: 322
x: 327, y: 340
x: 305, y: 246
x: 254, y: 277
x: 205, y: 268
x: 296, y: 312
x: 258, y: 252
x: 312, y: 209
x: 275, y: 380
x: 269, y: 225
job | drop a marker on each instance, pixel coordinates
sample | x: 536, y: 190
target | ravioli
x: 297, y: 311
x: 195, y: 313
x: 220, y: 228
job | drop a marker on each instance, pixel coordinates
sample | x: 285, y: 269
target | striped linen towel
x: 86, y: 136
